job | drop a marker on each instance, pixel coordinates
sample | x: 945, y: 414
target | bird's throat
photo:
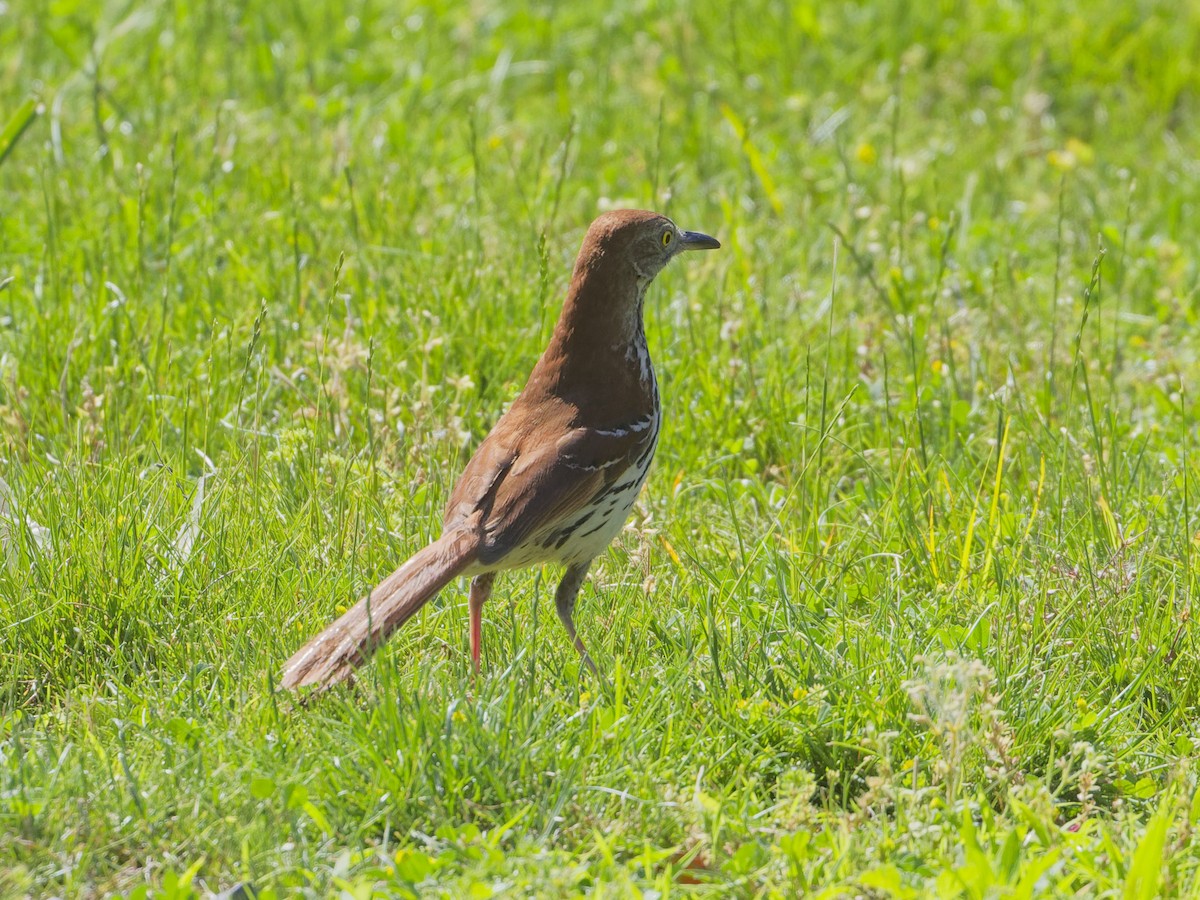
x: 600, y: 340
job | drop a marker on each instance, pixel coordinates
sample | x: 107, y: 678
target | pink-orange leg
x: 481, y: 589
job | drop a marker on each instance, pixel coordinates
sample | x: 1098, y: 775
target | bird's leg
x: 481, y: 589
x: 564, y: 601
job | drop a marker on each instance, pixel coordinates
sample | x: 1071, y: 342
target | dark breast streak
x: 594, y: 526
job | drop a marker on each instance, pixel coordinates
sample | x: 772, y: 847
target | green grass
x: 908, y: 606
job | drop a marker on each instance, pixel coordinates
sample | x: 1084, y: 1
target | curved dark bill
x: 694, y: 240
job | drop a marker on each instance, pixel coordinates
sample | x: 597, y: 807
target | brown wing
x: 522, y: 484
x: 475, y: 490
x: 550, y: 485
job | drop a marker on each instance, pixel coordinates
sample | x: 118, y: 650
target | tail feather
x: 333, y: 654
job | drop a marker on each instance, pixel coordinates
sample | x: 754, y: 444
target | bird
x: 556, y: 477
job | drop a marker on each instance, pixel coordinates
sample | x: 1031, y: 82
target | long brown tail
x: 332, y: 655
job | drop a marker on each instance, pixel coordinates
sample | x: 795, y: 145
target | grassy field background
x: 907, y: 608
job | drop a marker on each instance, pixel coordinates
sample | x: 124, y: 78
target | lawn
x: 907, y: 608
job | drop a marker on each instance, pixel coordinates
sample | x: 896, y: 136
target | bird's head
x: 636, y: 243
x: 622, y: 252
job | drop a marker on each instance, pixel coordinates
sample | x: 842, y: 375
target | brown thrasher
x: 555, y: 479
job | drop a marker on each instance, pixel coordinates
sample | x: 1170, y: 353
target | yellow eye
x: 667, y: 237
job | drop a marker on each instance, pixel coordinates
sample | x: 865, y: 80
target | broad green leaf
x: 261, y: 788
x: 16, y: 126
x: 1145, y: 873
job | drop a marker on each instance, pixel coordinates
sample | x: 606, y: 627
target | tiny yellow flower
x: 458, y: 716
x: 340, y: 608
x: 1082, y: 152
x: 585, y: 698
x: 934, y: 223
x: 1074, y: 153
x: 1081, y: 703
x: 865, y: 153
x: 1063, y: 160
